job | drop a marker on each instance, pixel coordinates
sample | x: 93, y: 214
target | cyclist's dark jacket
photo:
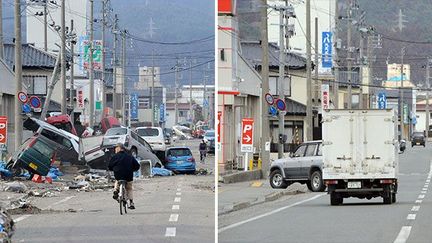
x: 123, y: 166
x: 202, y: 146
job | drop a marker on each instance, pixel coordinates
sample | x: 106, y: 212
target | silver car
x: 303, y: 166
x: 135, y: 144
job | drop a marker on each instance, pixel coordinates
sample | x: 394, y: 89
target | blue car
x: 180, y: 159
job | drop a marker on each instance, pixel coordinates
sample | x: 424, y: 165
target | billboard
x: 326, y: 50
x: 97, y: 54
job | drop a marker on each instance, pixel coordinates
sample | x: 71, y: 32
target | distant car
x: 135, y: 144
x: 209, y: 139
x: 154, y: 136
x: 36, y: 155
x: 63, y: 122
x: 418, y: 138
x: 303, y: 166
x: 180, y: 159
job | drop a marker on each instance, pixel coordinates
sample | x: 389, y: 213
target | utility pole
x: 18, y: 75
x: 315, y: 81
x: 369, y: 62
x: 123, y: 95
x: 72, y: 74
x: 427, y: 97
x: 402, y: 94
x: 63, y: 59
x: 205, y: 101
x: 361, y: 72
x: 104, y: 3
x: 92, y: 99
x: 349, y: 55
x: 190, y: 89
x: 176, y: 90
x: 115, y: 31
x: 265, y: 133
x: 152, y: 91
x: 308, y: 74
x: 46, y: 26
x: 1, y: 31
x: 335, y: 58
x: 281, y: 82
x: 52, y: 83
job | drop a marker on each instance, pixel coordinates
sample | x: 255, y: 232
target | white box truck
x: 360, y: 154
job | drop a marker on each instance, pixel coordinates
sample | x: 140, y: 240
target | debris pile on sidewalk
x: 92, y: 181
x: 203, y: 172
x: 7, y: 226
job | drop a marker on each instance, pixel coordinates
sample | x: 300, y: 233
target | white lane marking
x: 426, y: 185
x: 403, y: 234
x: 179, y: 189
x: 415, y: 208
x: 178, y: 194
x: 268, y: 214
x: 428, y: 180
x: 170, y: 232
x: 411, y: 216
x: 421, y: 196
x: 176, y: 207
x: 177, y: 199
x: 49, y: 207
x: 173, y: 217
x: 419, y: 201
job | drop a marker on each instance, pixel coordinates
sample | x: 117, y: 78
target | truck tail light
x: 331, y: 182
x: 387, y: 181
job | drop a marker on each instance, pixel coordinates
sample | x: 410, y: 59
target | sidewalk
x: 237, y: 196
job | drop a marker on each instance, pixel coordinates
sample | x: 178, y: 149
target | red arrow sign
x: 3, y: 129
x: 247, y: 131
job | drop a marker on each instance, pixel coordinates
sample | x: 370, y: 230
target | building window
x: 36, y: 85
x: 183, y: 113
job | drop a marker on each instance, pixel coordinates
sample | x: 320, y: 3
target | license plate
x: 354, y: 184
x: 33, y: 166
x: 179, y: 162
x: 417, y: 143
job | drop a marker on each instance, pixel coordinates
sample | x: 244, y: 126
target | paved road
x: 168, y: 209
x: 310, y: 218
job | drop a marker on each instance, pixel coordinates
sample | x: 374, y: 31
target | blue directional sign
x: 326, y: 50
x: 26, y: 108
x: 273, y: 110
x: 382, y: 100
x: 162, y: 112
x: 134, y: 106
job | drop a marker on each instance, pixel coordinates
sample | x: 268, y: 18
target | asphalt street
x: 168, y: 209
x: 310, y: 218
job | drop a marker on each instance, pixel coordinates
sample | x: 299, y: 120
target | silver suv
x: 303, y: 166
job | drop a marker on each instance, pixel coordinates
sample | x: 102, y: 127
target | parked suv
x: 418, y: 138
x: 135, y: 144
x: 303, y: 166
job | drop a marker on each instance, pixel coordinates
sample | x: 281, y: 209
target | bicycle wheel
x: 125, y: 205
x: 121, y: 195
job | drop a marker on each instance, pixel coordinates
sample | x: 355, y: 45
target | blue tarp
x: 54, y: 173
x: 3, y: 171
x: 161, y: 172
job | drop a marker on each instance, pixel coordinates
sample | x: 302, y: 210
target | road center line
x: 177, y: 199
x: 178, y: 194
x: 173, y: 217
x: 268, y: 214
x: 421, y: 196
x: 170, y: 232
x: 403, y: 234
x: 415, y: 208
x: 179, y: 189
x: 176, y: 207
x: 411, y: 216
x: 418, y: 201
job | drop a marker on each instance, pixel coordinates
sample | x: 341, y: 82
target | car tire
x: 388, y: 195
x: 277, y: 181
x: 316, y: 182
x: 134, y: 152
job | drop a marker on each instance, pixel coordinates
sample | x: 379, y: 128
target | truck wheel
x: 277, y: 181
x: 316, y: 182
x: 335, y: 199
x: 388, y: 195
x: 393, y: 197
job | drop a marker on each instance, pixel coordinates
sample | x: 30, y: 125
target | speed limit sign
x: 22, y: 97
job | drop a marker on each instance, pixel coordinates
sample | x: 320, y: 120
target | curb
x: 259, y: 200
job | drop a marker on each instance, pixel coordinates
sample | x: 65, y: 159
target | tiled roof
x: 251, y: 50
x: 32, y: 57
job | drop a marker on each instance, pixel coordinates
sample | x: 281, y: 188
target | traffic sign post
x: 22, y: 97
x: 280, y: 104
x: 269, y: 99
x: 247, y: 139
x: 35, y: 102
x: 26, y: 108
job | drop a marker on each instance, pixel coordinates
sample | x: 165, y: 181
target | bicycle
x: 122, y: 199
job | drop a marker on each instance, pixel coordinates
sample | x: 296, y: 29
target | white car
x: 154, y: 136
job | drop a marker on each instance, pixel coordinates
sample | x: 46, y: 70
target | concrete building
x: 145, y: 77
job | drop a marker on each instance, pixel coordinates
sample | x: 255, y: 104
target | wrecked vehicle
x: 36, y: 155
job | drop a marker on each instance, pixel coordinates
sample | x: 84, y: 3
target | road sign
x: 382, y: 100
x: 325, y: 96
x: 156, y: 113
x: 269, y: 99
x: 3, y: 131
x: 26, y: 108
x: 326, y: 50
x: 35, y: 102
x: 97, y: 54
x: 134, y: 106
x: 22, y: 97
x: 80, y: 98
x: 280, y: 104
x: 247, y: 135
x: 272, y: 111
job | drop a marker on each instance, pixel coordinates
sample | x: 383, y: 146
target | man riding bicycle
x: 123, y: 166
x: 203, y: 150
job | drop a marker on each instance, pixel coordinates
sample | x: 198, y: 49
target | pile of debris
x: 7, y: 226
x: 97, y: 180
